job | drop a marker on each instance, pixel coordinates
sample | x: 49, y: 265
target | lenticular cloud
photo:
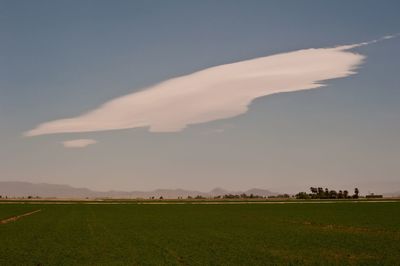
x: 213, y: 93
x: 78, y: 143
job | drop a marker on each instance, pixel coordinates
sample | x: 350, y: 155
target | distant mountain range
x: 25, y: 189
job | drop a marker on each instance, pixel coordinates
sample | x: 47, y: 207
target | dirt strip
x: 392, y: 234
x: 17, y: 217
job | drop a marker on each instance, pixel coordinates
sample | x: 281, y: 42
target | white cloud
x: 213, y: 93
x: 78, y: 143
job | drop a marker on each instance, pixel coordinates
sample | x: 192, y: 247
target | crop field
x: 339, y: 233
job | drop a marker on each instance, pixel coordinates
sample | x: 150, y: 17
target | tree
x: 326, y: 195
x: 314, y: 192
x: 302, y: 195
x: 333, y: 194
x: 345, y: 194
x: 356, y: 192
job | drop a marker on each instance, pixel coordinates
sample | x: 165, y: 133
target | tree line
x: 320, y: 193
x: 229, y: 196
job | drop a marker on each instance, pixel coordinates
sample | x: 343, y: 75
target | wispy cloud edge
x: 78, y: 143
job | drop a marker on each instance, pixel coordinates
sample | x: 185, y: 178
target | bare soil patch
x: 17, y: 217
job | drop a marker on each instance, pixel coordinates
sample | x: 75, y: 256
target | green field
x: 341, y: 233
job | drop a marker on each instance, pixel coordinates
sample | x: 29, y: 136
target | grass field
x: 344, y: 233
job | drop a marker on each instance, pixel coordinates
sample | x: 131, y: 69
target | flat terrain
x: 340, y: 233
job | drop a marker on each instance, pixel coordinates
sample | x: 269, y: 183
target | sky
x: 140, y: 95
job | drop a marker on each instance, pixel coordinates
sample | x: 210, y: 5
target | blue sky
x: 63, y: 58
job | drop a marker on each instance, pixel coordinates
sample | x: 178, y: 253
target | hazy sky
x: 113, y: 65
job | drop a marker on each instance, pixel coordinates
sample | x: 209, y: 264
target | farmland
x: 338, y: 233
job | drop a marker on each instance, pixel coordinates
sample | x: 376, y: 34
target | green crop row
x: 188, y: 234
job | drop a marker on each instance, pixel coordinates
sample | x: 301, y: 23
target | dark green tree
x: 356, y: 192
x: 302, y: 195
x: 326, y: 194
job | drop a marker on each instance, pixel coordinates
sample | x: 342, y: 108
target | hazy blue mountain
x: 25, y: 189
